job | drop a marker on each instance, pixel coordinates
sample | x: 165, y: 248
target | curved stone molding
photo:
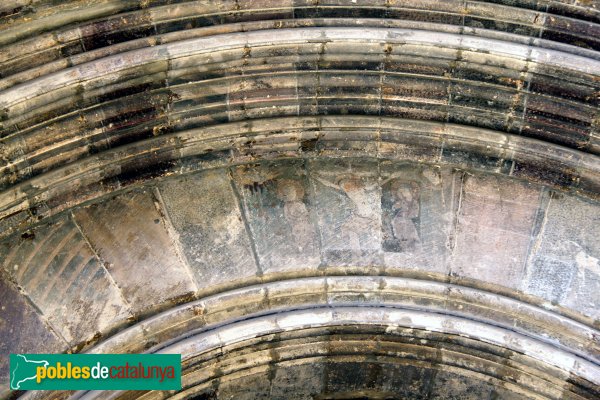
x: 57, y: 98
x: 307, y: 137
x: 310, y: 199
x: 336, y: 291
x: 262, y: 222
x: 385, y: 315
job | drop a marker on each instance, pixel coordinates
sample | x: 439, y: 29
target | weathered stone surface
x: 64, y: 279
x: 494, y: 227
x: 357, y: 136
x: 348, y: 203
x: 22, y: 329
x: 564, y: 267
x: 128, y: 233
x: 330, y: 181
x: 205, y: 212
x: 461, y: 387
x: 276, y: 199
x: 238, y: 388
x: 289, y: 377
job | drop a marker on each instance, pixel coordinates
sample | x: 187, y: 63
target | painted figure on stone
x: 354, y: 232
x: 275, y: 201
x: 400, y: 204
x: 295, y: 212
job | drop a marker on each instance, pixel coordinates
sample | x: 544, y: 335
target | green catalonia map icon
x: 23, y: 369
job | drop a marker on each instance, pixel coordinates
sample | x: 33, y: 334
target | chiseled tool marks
x: 22, y: 328
x: 129, y: 235
x: 65, y: 280
x: 564, y: 266
x: 211, y: 227
x: 494, y: 227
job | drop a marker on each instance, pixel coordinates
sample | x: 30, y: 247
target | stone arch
x: 289, y: 192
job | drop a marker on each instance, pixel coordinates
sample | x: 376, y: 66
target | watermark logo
x: 95, y: 371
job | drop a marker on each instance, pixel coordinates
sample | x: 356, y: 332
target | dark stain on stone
x: 581, y: 387
x: 492, y: 24
x: 564, y: 89
x: 69, y: 49
x: 554, y: 195
x: 575, y: 40
x: 183, y: 299
x: 340, y: 12
x: 189, y: 23
x: 562, y: 115
x: 140, y: 170
x: 150, y: 343
x: 309, y: 144
x: 581, y: 13
x: 258, y: 187
x: 15, y: 394
x: 552, y: 131
x: 12, y: 12
x: 127, y: 91
x: 474, y: 159
x: 129, y: 118
x: 113, y: 31
x: 350, y: 66
x: 424, y: 16
x: 209, y: 395
x: 29, y: 235
x: 126, y: 137
x: 546, y: 174
x: 86, y: 344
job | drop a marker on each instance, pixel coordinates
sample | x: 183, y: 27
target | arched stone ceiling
x: 309, y: 199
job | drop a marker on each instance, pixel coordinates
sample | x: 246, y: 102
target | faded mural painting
x: 400, y: 203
